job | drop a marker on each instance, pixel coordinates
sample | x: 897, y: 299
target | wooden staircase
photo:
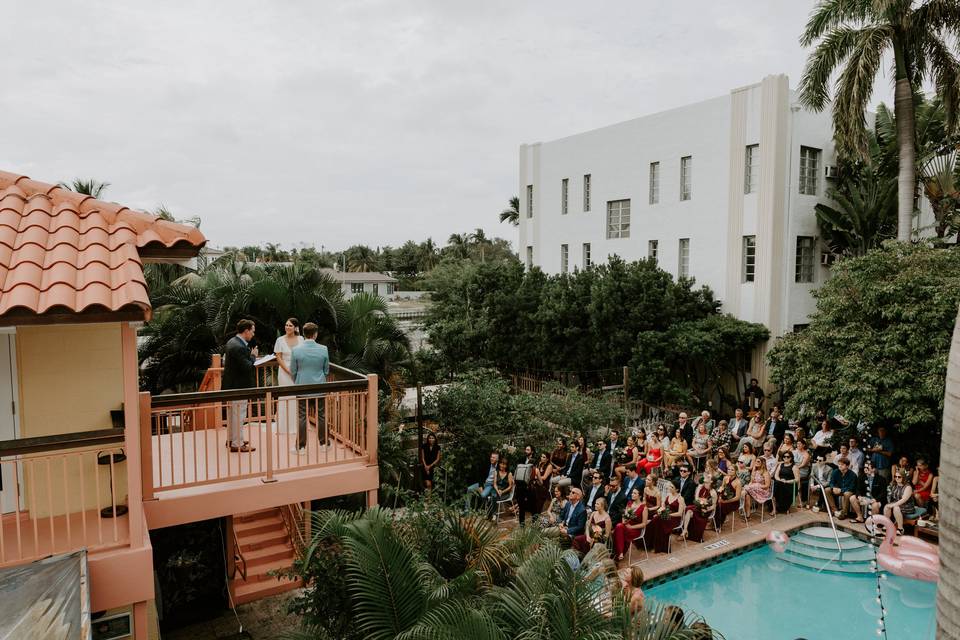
x: 264, y: 545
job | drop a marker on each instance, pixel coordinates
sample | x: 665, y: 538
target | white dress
x: 287, y: 405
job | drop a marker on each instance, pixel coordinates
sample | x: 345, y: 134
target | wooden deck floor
x: 40, y: 537
x: 198, y: 457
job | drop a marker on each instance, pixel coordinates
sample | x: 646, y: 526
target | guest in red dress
x: 729, y: 494
x: 698, y: 514
x: 667, y: 519
x: 635, y: 518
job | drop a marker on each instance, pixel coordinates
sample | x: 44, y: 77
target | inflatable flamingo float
x: 912, y: 558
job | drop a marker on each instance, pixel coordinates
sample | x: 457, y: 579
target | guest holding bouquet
x: 598, y: 528
x: 635, y: 519
x: 730, y: 493
x: 667, y: 519
x: 698, y: 514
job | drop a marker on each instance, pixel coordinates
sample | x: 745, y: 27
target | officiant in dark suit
x: 239, y: 373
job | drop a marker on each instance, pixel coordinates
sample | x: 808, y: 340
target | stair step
x: 825, y: 532
x: 826, y: 543
x: 256, y: 515
x: 823, y: 565
x: 864, y: 554
x: 243, y: 592
x: 263, y: 540
x: 262, y: 571
x: 254, y: 527
x: 257, y: 557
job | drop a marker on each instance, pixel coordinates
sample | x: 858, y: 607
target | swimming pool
x: 758, y: 596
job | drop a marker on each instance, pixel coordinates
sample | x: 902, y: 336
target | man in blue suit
x: 309, y: 364
x: 573, y: 518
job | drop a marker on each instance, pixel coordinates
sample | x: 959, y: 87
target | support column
x: 140, y: 629
x: 371, y: 498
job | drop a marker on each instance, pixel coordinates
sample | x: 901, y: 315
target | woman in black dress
x: 429, y: 459
x: 785, y: 483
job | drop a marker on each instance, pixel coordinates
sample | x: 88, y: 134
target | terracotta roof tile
x: 65, y: 252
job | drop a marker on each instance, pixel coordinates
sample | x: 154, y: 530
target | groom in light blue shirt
x: 309, y: 364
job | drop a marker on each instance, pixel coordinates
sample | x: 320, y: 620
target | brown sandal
x: 245, y: 448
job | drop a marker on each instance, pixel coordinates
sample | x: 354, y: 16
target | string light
x: 875, y: 565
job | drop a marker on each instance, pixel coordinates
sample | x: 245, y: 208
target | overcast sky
x: 361, y: 121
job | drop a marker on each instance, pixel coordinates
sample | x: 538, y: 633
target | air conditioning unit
x: 831, y: 172
x: 827, y: 258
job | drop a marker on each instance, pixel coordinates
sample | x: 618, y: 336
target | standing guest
x: 541, y: 482
x: 701, y: 445
x: 558, y: 457
x: 720, y: 437
x: 573, y: 469
x: 429, y: 459
x: 573, y: 518
x: 632, y: 591
x: 759, y: 489
x: 503, y: 485
x: 855, y: 455
x: 551, y: 516
x: 677, y: 450
x: 729, y: 495
x: 922, y: 482
x: 900, y: 503
x: 903, y: 466
x: 880, y: 448
x: 239, y: 373
x: 283, y: 349
x: 801, y: 458
x: 599, y: 527
x: 595, y: 492
x: 843, y: 484
x: 738, y: 428
x: 699, y: 513
x: 667, y: 519
x: 685, y: 428
x: 820, y: 474
x: 685, y: 484
x: 754, y: 395
x: 310, y: 364
x: 785, y: 483
x: 484, y: 488
x: 871, y: 492
x: 745, y: 463
x: 523, y: 477
x: 616, y: 499
x: 635, y: 519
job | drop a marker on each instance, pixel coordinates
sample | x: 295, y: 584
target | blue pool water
x: 757, y: 596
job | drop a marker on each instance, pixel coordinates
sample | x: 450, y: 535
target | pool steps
x: 816, y: 548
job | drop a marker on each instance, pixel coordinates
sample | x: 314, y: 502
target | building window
x: 654, y: 182
x: 564, y: 258
x: 564, y: 192
x: 376, y: 289
x: 618, y: 219
x: 356, y: 287
x: 586, y: 192
x: 529, y: 257
x: 587, y: 262
x: 809, y: 168
x: 797, y: 328
x: 529, y: 200
x: 804, y: 266
x: 389, y: 288
x: 749, y: 269
x: 683, y: 269
x: 751, y: 173
x: 686, y: 177
x: 652, y: 248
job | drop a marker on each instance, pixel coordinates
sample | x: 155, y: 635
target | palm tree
x: 368, y: 339
x: 89, y: 187
x: 361, y: 258
x: 459, y: 244
x: 948, y: 589
x: 429, y: 255
x: 479, y: 239
x: 853, y: 36
x: 865, y: 216
x: 512, y: 213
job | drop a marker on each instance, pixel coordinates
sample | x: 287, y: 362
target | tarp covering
x: 46, y: 600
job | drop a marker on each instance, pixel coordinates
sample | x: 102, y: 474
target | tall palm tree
x: 459, y: 244
x: 91, y: 187
x: 361, y: 258
x: 429, y: 255
x: 479, y: 239
x: 948, y: 589
x: 853, y: 36
x: 512, y: 213
x: 368, y: 338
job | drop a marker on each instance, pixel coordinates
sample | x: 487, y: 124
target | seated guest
x: 666, y: 520
x: 633, y: 480
x: 723, y: 460
x: 745, y: 463
x: 768, y: 458
x: 652, y: 495
x: 601, y: 463
x: 487, y: 483
x: 802, y: 459
x: 738, y: 428
x: 632, y: 590
x: 871, y: 492
x: 686, y: 428
x: 699, y: 513
x: 712, y: 469
x: 540, y: 482
x: 659, y: 438
x: 558, y: 457
x: 922, y: 482
x: 677, y: 451
x: 502, y: 486
x: 756, y: 434
x: 598, y: 528
x: 720, y: 437
x: 573, y: 518
x: 573, y: 468
x: 820, y: 474
x: 700, y: 448
x: 551, y: 517
x: 685, y: 484
x: 631, y: 455
x: 823, y: 439
x: 843, y: 484
x: 776, y: 427
x: 855, y: 455
x: 789, y: 444
x: 635, y: 519
x: 785, y: 481
x: 584, y: 450
x: 616, y: 499
x: 900, y: 503
x: 595, y: 492
x: 653, y: 458
x: 759, y: 488
x: 729, y: 495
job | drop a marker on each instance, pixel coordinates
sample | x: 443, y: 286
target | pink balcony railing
x: 53, y: 491
x: 189, y: 437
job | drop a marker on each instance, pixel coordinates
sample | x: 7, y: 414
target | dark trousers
x: 314, y: 406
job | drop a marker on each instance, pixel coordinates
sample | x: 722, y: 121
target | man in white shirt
x: 855, y: 455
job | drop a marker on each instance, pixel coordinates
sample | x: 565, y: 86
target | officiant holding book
x: 239, y: 373
x: 310, y: 364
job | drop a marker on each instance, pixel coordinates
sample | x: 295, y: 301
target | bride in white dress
x: 283, y: 349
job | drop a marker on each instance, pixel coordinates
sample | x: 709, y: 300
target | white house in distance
x: 354, y: 282
x: 722, y: 191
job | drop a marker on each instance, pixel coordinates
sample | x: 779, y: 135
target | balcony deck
x: 24, y: 538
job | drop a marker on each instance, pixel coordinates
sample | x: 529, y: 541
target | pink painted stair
x: 266, y: 547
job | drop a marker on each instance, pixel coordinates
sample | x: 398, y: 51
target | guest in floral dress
x: 759, y: 489
x: 720, y: 436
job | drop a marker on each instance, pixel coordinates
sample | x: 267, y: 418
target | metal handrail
x: 833, y: 525
x: 292, y: 516
x: 61, y: 441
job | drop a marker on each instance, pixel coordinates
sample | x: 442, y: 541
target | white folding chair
x: 632, y: 544
x: 506, y: 502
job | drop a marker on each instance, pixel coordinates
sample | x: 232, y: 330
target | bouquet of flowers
x: 703, y: 507
x: 620, y: 455
x: 598, y: 533
x: 663, y: 513
x: 632, y: 516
